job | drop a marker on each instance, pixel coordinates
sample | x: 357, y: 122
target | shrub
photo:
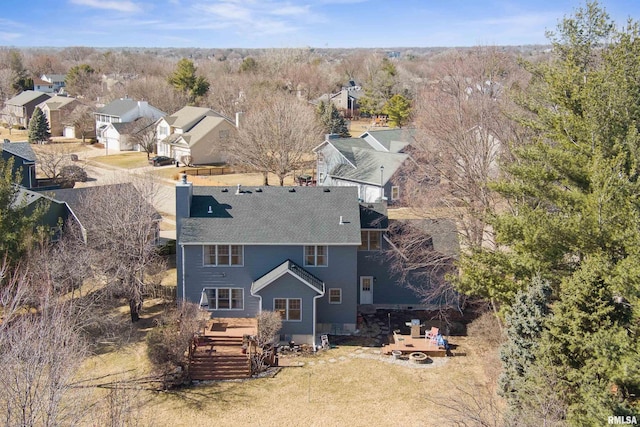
x: 73, y: 173
x: 168, y: 343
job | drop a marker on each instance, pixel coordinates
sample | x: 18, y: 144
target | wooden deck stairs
x: 217, y: 354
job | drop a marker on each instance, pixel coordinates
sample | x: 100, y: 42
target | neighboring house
x: 24, y: 161
x: 42, y: 85
x: 314, y: 254
x: 123, y: 133
x: 76, y: 198
x: 198, y: 132
x: 18, y: 110
x: 54, y: 218
x: 58, y: 109
x: 121, y: 111
x: 346, y: 100
x: 370, y: 162
x: 57, y: 80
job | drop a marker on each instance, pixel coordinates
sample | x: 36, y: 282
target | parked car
x: 161, y: 161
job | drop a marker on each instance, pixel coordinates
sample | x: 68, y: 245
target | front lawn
x: 130, y: 160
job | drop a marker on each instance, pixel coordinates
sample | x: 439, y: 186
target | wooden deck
x: 407, y: 344
x: 217, y: 353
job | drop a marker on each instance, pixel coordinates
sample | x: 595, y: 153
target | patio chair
x: 433, y: 335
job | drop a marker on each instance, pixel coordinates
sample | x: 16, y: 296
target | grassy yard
x: 346, y: 385
x: 129, y: 160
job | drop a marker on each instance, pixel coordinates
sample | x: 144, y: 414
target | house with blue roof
x: 313, y: 254
x: 370, y: 162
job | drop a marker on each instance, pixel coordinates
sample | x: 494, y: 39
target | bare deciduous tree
x: 52, y: 158
x: 421, y: 267
x: 123, y: 243
x: 40, y: 350
x: 269, y: 325
x: 463, y: 137
x: 83, y: 121
x: 276, y: 135
x: 143, y: 134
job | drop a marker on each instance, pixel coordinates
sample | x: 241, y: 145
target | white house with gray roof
x: 195, y: 135
x: 370, y: 163
x: 124, y: 110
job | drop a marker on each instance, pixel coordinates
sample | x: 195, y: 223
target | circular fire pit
x: 418, y: 357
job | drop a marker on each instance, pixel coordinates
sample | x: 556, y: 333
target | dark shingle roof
x: 443, y: 232
x: 273, y: 216
x: 19, y: 149
x: 374, y: 216
x: 346, y: 145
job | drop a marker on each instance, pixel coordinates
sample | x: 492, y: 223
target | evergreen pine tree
x: 38, y: 127
x: 331, y: 120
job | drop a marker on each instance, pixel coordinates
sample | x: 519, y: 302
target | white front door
x: 366, y: 290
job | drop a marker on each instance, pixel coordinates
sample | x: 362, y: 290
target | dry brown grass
x: 333, y: 388
x: 129, y: 160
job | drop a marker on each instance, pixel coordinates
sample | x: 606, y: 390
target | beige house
x: 18, y: 110
x: 195, y: 135
x: 57, y: 109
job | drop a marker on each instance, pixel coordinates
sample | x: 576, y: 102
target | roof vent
x: 258, y: 190
x: 225, y: 190
x: 210, y: 211
x: 239, y: 190
x: 326, y: 190
x: 341, y: 220
x: 292, y: 190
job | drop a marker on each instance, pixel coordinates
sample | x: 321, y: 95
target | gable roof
x: 288, y: 267
x: 40, y: 82
x: 367, y: 166
x: 118, y: 107
x: 19, y: 149
x: 273, y: 216
x: 54, y: 77
x: 76, y: 197
x: 57, y: 102
x: 443, y: 233
x: 26, y: 97
x: 187, y: 117
x: 392, y: 140
x: 202, y: 129
x: 373, y: 216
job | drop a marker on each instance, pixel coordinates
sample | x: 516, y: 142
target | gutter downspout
x: 314, y: 317
x: 184, y: 296
x: 259, y: 298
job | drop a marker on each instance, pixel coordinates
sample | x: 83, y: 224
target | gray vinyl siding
x: 387, y: 288
x: 259, y: 260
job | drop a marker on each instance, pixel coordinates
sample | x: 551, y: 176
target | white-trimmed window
x: 225, y: 298
x: 335, y: 296
x: 315, y: 256
x: 290, y: 309
x: 223, y: 255
x: 395, y: 192
x: 370, y: 240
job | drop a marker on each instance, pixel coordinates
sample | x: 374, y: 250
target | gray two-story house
x: 314, y: 254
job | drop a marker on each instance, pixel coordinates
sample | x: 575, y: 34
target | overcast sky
x: 282, y: 23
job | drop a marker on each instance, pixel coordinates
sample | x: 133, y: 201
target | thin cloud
x: 120, y: 6
x: 9, y: 36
